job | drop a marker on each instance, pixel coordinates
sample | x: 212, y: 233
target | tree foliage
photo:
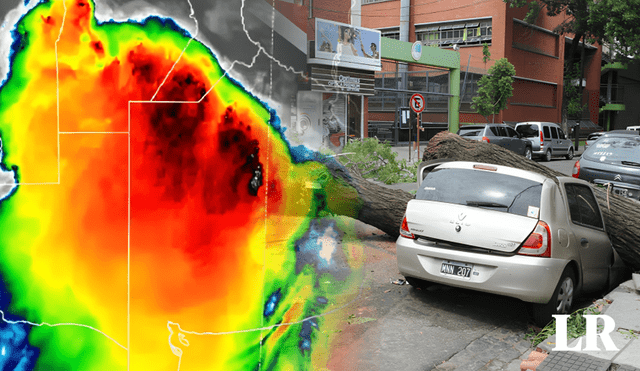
x: 494, y: 89
x: 486, y: 54
x: 572, y: 91
x: 374, y: 159
x: 617, y: 22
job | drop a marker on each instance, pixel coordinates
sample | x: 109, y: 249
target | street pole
x: 418, y: 119
x: 410, y: 134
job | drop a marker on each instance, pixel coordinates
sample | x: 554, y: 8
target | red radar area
x: 417, y: 103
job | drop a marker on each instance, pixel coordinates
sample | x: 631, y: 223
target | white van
x: 634, y: 128
x: 547, y: 138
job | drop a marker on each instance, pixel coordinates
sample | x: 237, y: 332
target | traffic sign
x: 417, y: 103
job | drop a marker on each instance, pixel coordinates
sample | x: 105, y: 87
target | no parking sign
x: 417, y: 103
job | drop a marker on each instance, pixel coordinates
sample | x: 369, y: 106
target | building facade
x: 537, y: 53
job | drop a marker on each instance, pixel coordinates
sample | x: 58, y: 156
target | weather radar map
x: 156, y: 212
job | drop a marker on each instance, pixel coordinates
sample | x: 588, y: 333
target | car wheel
x: 418, y: 283
x: 569, y: 155
x: 547, y: 155
x: 560, y: 302
x: 527, y: 153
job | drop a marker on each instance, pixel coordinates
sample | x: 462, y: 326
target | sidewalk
x: 625, y: 311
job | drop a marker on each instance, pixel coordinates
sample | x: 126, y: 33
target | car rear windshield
x: 528, y: 131
x: 481, y: 188
x: 614, y: 149
x: 470, y: 132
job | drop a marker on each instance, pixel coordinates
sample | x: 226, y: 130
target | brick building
x: 465, y: 25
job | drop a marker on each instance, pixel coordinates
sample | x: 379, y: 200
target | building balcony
x: 613, y: 66
x: 612, y: 97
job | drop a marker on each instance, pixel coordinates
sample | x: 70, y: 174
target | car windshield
x: 614, y: 149
x: 528, y: 131
x: 485, y: 189
x: 470, y: 132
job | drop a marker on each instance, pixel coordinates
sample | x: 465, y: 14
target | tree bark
x: 384, y: 208
x: 378, y: 206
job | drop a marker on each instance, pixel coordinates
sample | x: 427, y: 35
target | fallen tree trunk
x: 621, y: 215
x: 378, y: 206
x: 384, y: 208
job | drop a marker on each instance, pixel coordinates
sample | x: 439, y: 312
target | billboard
x: 339, y: 42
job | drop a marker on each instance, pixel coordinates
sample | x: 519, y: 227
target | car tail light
x: 576, y: 170
x: 404, y: 229
x: 485, y: 139
x: 541, y: 138
x: 539, y: 242
x: 485, y: 167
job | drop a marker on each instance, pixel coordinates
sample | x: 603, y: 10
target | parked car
x: 592, y: 138
x: 613, y: 159
x: 622, y: 132
x: 500, y: 134
x: 634, y: 128
x: 548, y: 139
x: 555, y: 246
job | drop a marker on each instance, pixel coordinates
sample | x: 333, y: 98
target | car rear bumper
x: 530, y: 279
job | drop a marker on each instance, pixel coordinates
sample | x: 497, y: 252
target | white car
x: 507, y: 231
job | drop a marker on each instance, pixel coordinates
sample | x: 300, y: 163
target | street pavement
x: 507, y: 350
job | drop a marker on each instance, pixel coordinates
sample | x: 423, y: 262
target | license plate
x: 456, y: 269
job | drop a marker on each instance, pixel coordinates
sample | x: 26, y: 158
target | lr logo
x: 592, y: 333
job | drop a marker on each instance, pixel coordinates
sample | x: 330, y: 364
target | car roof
x: 536, y: 122
x: 507, y: 170
x: 622, y: 132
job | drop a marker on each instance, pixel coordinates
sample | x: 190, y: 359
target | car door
x: 548, y: 142
x: 499, y: 136
x: 517, y: 144
x: 555, y: 143
x: 588, y: 236
x: 565, y: 143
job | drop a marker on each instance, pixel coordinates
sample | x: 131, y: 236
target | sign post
x: 417, y: 104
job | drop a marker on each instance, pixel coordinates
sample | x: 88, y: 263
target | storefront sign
x: 346, y: 83
x: 340, y: 80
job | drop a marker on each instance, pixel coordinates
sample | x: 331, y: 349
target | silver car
x: 507, y: 231
x: 547, y: 138
x: 500, y: 134
x: 613, y: 159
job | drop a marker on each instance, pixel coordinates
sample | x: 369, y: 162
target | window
x: 392, y: 34
x: 470, y: 33
x: 498, y: 131
x: 547, y: 133
x: 488, y: 190
x: 583, y: 207
x: 554, y: 133
x: 561, y: 134
x: 528, y: 130
x: 511, y: 133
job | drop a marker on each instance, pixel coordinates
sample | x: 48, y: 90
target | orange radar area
x: 161, y: 220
